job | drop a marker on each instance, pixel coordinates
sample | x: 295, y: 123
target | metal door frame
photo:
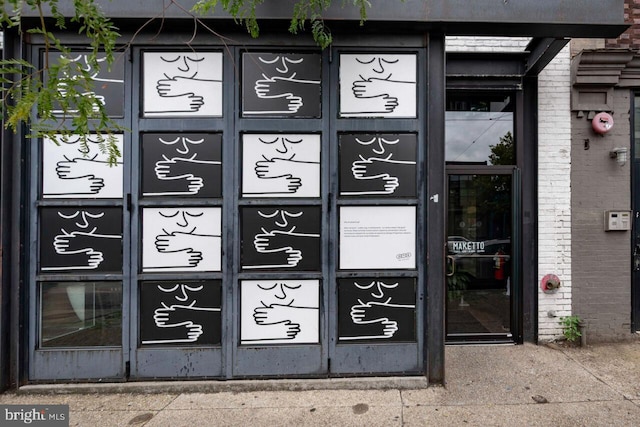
x: 176, y: 361
x: 286, y: 360
x: 408, y: 357
x: 516, y: 244
x: 85, y: 362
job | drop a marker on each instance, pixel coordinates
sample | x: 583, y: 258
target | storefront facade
x: 282, y: 211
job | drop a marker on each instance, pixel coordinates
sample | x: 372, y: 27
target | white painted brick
x: 554, y: 174
x: 486, y: 44
x: 554, y: 192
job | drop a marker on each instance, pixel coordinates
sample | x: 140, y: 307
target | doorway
x: 483, y: 221
x: 480, y: 274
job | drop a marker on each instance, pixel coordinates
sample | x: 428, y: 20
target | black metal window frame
x: 329, y: 126
x: 496, y: 85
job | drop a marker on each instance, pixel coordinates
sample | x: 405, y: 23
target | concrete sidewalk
x: 486, y: 386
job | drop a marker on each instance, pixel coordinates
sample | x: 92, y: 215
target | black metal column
x: 436, y: 210
x: 10, y: 211
x: 529, y: 165
x: 5, y: 226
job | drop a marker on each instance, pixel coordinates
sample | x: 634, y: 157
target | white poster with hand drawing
x: 182, y: 84
x: 279, y: 311
x: 281, y: 165
x: 183, y: 238
x: 74, y: 169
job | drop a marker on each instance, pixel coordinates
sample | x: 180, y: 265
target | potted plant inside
x: 457, y: 282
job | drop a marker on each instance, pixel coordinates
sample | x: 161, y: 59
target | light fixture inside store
x: 620, y: 154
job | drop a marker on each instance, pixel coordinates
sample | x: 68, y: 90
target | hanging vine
x: 61, y: 92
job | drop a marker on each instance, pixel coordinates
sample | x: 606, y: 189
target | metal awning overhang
x: 550, y: 23
x: 501, y: 69
x: 539, y: 18
x: 540, y: 51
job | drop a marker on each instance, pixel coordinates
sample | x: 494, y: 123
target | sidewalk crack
x: 593, y: 374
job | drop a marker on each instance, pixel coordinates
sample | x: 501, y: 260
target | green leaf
x: 244, y: 13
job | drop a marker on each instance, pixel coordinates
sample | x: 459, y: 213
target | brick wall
x: 630, y: 39
x: 554, y: 175
x: 486, y: 44
x: 601, y: 260
x: 554, y: 193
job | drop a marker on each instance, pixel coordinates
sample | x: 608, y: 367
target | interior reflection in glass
x: 479, y: 255
x: 479, y: 129
x: 80, y: 314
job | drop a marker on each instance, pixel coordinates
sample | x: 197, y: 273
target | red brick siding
x: 630, y: 39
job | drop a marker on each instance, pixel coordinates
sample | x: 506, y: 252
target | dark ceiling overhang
x: 500, y: 70
x: 540, y: 51
x: 550, y: 23
x: 534, y: 18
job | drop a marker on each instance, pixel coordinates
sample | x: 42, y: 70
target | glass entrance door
x: 480, y: 279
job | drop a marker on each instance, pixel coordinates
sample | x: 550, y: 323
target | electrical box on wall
x: 617, y: 220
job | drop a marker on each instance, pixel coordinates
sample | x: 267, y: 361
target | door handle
x: 452, y: 261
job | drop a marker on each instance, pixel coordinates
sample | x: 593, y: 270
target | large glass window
x: 479, y: 129
x: 480, y: 152
x: 80, y: 314
x: 479, y: 254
